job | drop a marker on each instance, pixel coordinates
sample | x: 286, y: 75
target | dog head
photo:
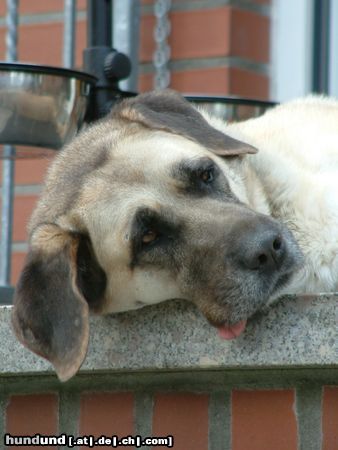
x: 146, y: 205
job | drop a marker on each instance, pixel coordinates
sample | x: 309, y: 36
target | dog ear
x: 167, y: 110
x: 50, y: 314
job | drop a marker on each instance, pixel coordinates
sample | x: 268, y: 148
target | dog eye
x: 149, y: 236
x: 207, y: 176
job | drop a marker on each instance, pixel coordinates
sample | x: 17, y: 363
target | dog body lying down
x: 158, y: 201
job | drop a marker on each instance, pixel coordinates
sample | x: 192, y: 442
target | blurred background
x: 258, y: 49
x: 267, y: 49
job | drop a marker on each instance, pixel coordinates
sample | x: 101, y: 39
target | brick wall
x: 217, y: 47
x: 233, y: 418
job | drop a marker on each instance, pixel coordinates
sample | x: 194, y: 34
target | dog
x: 161, y: 201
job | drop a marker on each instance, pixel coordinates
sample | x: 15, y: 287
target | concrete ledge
x: 298, y: 332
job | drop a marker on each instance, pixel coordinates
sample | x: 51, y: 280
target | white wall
x: 291, y: 48
x: 333, y: 70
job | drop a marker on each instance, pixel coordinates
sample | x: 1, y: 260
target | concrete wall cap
x: 297, y: 332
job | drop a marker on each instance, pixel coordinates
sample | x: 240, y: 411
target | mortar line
x: 20, y: 247
x: 211, y: 63
x: 44, y: 18
x: 143, y: 415
x: 308, y: 407
x: 3, y: 406
x: 213, y: 4
x: 26, y: 189
x: 69, y: 414
x: 220, y: 420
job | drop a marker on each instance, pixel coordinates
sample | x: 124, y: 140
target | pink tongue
x: 232, y: 331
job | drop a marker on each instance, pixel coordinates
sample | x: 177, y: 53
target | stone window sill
x: 298, y: 332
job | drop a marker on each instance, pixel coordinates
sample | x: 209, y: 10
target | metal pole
x: 126, y: 36
x: 8, y: 163
x: 99, y: 23
x: 69, y: 27
x: 321, y: 44
x: 101, y: 60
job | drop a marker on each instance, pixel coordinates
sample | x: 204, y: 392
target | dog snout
x: 264, y: 251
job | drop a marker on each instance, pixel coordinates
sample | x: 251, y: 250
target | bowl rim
x: 230, y: 99
x: 47, y: 70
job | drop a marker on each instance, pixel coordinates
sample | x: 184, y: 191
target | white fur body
x: 297, y: 170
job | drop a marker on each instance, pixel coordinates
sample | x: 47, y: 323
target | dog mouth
x: 240, y: 294
x: 226, y: 329
x: 238, y: 315
x: 229, y: 332
x: 236, y: 327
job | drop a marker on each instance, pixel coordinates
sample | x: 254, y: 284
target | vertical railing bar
x: 69, y: 28
x: 126, y: 29
x: 321, y: 46
x: 8, y: 163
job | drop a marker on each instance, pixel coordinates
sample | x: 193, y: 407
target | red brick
x: 145, y: 82
x: 27, y: 415
x: 211, y: 81
x: 35, y: 7
x: 330, y: 418
x: 245, y: 83
x: 2, y: 43
x: 39, y: 7
x: 263, y: 420
x: 215, y: 81
x: 81, y: 43
x: 23, y: 208
x: 17, y: 266
x: 29, y: 171
x: 147, y: 43
x: 185, y: 417
x: 42, y: 43
x: 208, y: 33
x: 203, y: 81
x: 200, y: 34
x: 195, y: 34
x: 82, y: 4
x: 249, y: 35
x: 107, y: 414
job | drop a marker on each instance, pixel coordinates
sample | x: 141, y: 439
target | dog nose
x: 265, y: 252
